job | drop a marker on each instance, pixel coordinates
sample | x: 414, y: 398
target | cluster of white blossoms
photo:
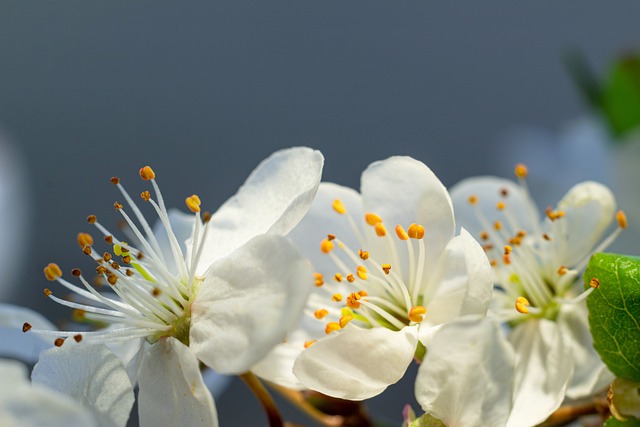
x: 313, y: 285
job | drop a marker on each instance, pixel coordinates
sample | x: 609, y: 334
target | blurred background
x: 204, y: 90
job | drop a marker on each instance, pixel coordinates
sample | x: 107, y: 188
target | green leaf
x: 631, y: 422
x: 614, y: 312
x: 620, y: 96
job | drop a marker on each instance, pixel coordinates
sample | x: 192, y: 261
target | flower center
x: 146, y: 298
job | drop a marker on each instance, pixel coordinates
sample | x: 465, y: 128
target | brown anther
x: 416, y: 231
x: 487, y: 247
x: 108, y: 239
x: 98, y: 281
x: 594, y: 283
x: 77, y: 337
x: 206, y: 217
x: 546, y: 237
x: 351, y: 278
x: 147, y: 173
x: 26, y: 327
x: 521, y: 170
x: 381, y: 230
x: 91, y: 219
x: 372, y: 219
x: 504, y: 192
x: 115, y: 265
x: 127, y: 259
x: 101, y: 269
x: 86, y: 250
x: 473, y: 199
x: 364, y: 255
x: 484, y: 235
x: 497, y: 225
x: 112, y: 279
x: 562, y: 270
x: 193, y: 203
x: 331, y: 237
x: 338, y: 277
x: 507, y: 249
x: 622, y: 219
x: 115, y: 180
x: 319, y: 279
x: 155, y: 292
x: 493, y: 263
x: 84, y: 239
x: 107, y: 257
x: 326, y: 246
x: 500, y: 206
x: 515, y: 241
x: 47, y: 292
x: 117, y: 205
x: 386, y: 268
x: 129, y: 272
x: 401, y: 233
x: 145, y: 195
x: 58, y: 342
x: 52, y: 272
x: 76, y: 272
x: 339, y: 207
x: 139, y: 256
x: 78, y: 314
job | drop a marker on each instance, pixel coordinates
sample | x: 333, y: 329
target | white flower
x: 380, y: 289
x: 90, y: 388
x: 224, y: 298
x: 537, y: 268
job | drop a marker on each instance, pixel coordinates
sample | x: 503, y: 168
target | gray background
x: 204, y: 90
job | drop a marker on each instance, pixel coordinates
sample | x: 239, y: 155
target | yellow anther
x: 337, y: 297
x: 521, y: 170
x: 386, y: 268
x: 351, y: 278
x: 117, y: 206
x: 308, y: 344
x: 361, y: 271
x: 47, y: 292
x: 326, y: 246
x: 52, y: 272
x: 372, y: 219
x: 363, y: 254
x: 320, y: 313
x: 594, y: 283
x: 401, y: 233
x: 521, y: 305
x: 319, y: 279
x: 416, y: 314
x: 493, y: 263
x: 146, y: 196
x: 84, y: 239
x: 363, y: 293
x: 484, y: 235
x: 416, y: 231
x: 381, y: 230
x: 344, y: 320
x: 507, y: 249
x: 339, y: 207
x: 332, y: 327
x: 193, y: 203
x: 473, y: 199
x: 622, y: 219
x: 147, y: 173
x: 338, y: 277
x: 353, y: 300
x: 497, y: 226
x: 562, y: 270
x: 500, y: 206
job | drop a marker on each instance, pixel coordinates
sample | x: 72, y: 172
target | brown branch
x: 259, y: 390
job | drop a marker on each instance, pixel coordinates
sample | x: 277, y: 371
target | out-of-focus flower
x: 537, y: 269
x: 223, y: 298
x: 88, y: 388
x: 390, y: 272
x: 13, y: 219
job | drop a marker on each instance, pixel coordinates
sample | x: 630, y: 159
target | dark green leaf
x: 620, y: 96
x: 631, y: 422
x: 614, y: 312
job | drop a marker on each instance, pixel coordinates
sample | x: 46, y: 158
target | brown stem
x: 568, y: 413
x: 275, y: 419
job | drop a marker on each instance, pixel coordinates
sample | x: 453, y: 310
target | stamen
x: 416, y: 231
x: 58, y: 342
x: 473, y: 199
x: 336, y: 297
x: 146, y: 173
x: 416, y: 314
x: 308, y: 344
x: 361, y: 271
x: 52, y: 272
x: 386, y: 268
x: 594, y: 283
x: 364, y: 255
x: 521, y: 305
x: 193, y: 203
x: 622, y: 219
x: 344, y: 320
x: 26, y: 327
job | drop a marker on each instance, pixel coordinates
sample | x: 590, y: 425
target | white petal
x: 130, y: 353
x: 543, y: 369
x: 589, y: 208
x: 19, y: 345
x: 182, y: 226
x: 91, y: 375
x: 274, y: 198
x: 462, y: 282
x: 172, y: 391
x: 26, y: 406
x: 322, y: 220
x: 248, y: 303
x: 357, y: 363
x: 466, y: 378
x: 402, y: 190
x: 590, y: 374
x: 488, y: 191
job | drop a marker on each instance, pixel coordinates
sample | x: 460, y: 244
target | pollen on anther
x: 91, y: 219
x: 147, y: 173
x: 156, y: 292
x: 339, y: 207
x: 26, y: 327
x: 381, y: 230
x: 117, y: 206
x: 145, y: 195
x: 546, y: 237
x: 416, y: 314
x: 193, y: 203
x: 336, y: 297
x: 52, y: 272
x: 386, y: 268
x: 622, y: 219
x: 320, y: 313
x: 497, y: 225
x: 416, y: 231
x: 58, y: 342
x: 338, y: 277
x: 594, y: 283
x: 507, y: 249
x: 364, y: 255
x: 326, y: 246
x: 332, y: 327
x: 115, y: 180
x: 401, y: 233
x: 521, y: 170
x: 351, y: 278
x: 484, y: 235
x: 112, y: 279
x: 372, y: 219
x: 521, y: 305
x: 319, y: 280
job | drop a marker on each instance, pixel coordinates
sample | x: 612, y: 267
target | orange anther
x: 52, y: 272
x: 336, y: 297
x: 372, y: 219
x: 319, y: 279
x: 363, y: 254
x: 521, y: 170
x: 344, y: 320
x: 339, y: 207
x: 326, y: 246
x: 500, y: 206
x: 320, y: 313
x: 416, y: 231
x: 147, y: 173
x: 416, y: 314
x: 308, y: 344
x: 193, y: 203
x: 84, y: 239
x: 622, y: 219
x: 361, y: 271
x: 338, y: 277
x: 145, y: 195
x: 332, y: 327
x: 386, y: 268
x: 521, y: 305
x: 91, y: 219
x: 473, y: 199
x: 351, y: 278
x: 401, y: 233
x: 594, y: 283
x: 115, y: 180
x: 381, y: 230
